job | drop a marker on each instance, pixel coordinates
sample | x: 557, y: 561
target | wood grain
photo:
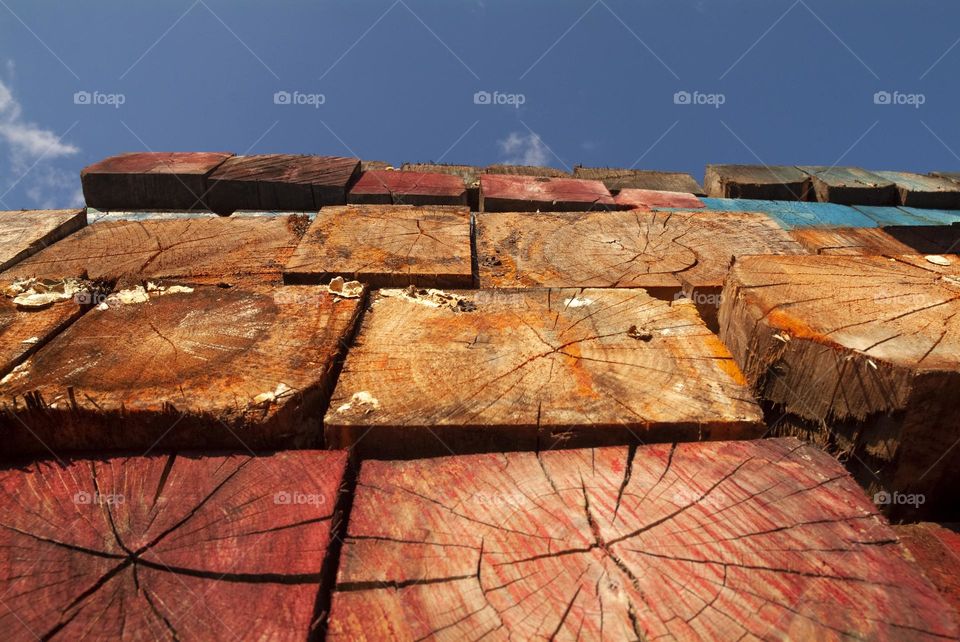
x: 408, y: 188
x: 469, y: 174
x: 917, y: 190
x: 24, y: 331
x: 24, y: 233
x: 795, y: 214
x: 889, y: 241
x: 707, y: 541
x: 534, y: 369
x: 504, y: 193
x: 850, y: 186
x: 648, y: 199
x: 777, y: 183
x: 617, y: 179
x: 386, y: 246
x: 215, y: 248
x: 241, y: 367
x: 526, y: 170
x: 937, y: 552
x: 150, y: 180
x: 183, y: 547
x: 620, y: 249
x: 281, y: 182
x: 866, y: 351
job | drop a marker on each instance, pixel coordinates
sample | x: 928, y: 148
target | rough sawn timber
x: 891, y: 241
x: 621, y: 249
x: 526, y: 369
x: 865, y: 352
x: 936, y: 550
x: 850, y: 186
x: 387, y: 187
x: 150, y: 180
x: 508, y: 193
x: 182, y: 547
x: 240, y: 367
x: 618, y: 179
x: 209, y: 248
x: 778, y: 183
x: 24, y: 330
x: 386, y: 246
x: 24, y: 233
x: 706, y: 541
x: 648, y: 199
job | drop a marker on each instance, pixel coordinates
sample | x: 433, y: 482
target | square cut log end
x: 438, y: 371
x: 181, y: 366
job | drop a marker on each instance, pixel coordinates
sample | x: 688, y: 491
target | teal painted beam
x: 795, y: 214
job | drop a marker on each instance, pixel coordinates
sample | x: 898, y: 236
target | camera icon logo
x: 82, y: 497
x: 482, y: 98
x: 82, y: 98
x: 681, y: 98
x: 882, y: 98
x: 882, y: 498
x: 282, y: 497
x: 281, y: 98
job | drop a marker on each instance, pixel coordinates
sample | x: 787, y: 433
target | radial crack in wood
x: 866, y: 351
x: 183, y: 547
x: 181, y: 366
x: 517, y: 370
x: 720, y: 541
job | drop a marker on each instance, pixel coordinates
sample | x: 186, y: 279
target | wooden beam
x: 281, y: 182
x: 850, y: 186
x: 181, y: 366
x: 198, y: 248
x: 646, y: 199
x: 620, y: 249
x: 435, y: 372
x: 150, y: 180
x: 874, y: 240
x: 751, y: 540
x: 407, y: 188
x: 917, y: 190
x: 863, y: 352
x: 503, y: 193
x: 184, y: 547
x: 526, y: 170
x: 386, y: 246
x: 777, y: 183
x: 617, y: 179
x: 795, y: 214
x: 24, y: 233
x: 469, y: 174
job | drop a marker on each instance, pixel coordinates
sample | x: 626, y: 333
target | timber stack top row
x: 304, y: 397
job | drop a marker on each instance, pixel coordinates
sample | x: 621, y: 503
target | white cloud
x: 30, y: 151
x: 520, y: 149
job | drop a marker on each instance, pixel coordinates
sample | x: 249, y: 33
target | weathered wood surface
x: 386, y: 246
x: 795, y: 214
x: 708, y: 541
x: 620, y: 249
x: 469, y: 174
x: 526, y: 170
x: 648, y: 199
x: 209, y: 248
x: 617, y: 179
x: 519, y: 370
x: 24, y: 233
x: 917, y: 190
x: 850, y: 186
x: 777, y: 183
x: 408, y: 188
x: 889, y: 241
x: 503, y: 193
x: 937, y: 552
x: 23, y: 330
x: 98, y: 216
x: 150, y: 180
x: 865, y: 352
x: 367, y: 165
x: 952, y: 176
x: 281, y: 182
x: 183, y: 547
x: 200, y: 367
x: 885, y: 215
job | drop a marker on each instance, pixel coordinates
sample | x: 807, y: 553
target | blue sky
x: 597, y: 81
